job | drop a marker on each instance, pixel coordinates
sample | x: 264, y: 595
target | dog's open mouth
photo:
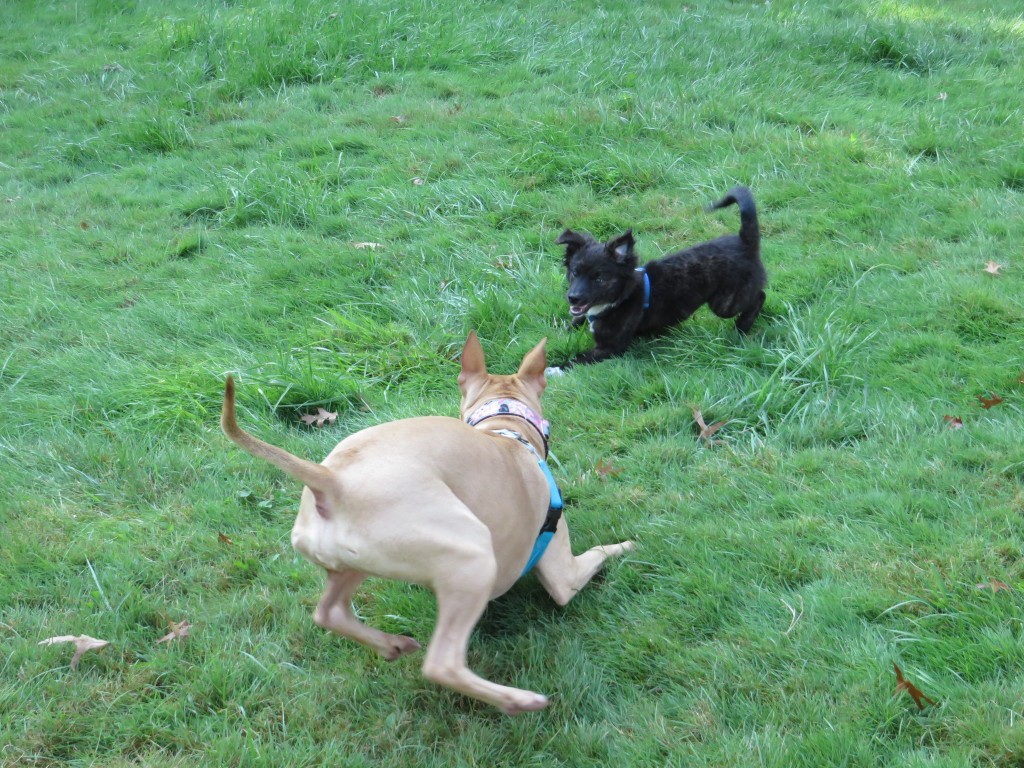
x: 578, y: 309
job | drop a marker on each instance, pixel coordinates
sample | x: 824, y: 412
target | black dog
x: 621, y: 300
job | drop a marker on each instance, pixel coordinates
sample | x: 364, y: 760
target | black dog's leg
x: 604, y: 351
x: 746, y: 319
x: 595, y: 355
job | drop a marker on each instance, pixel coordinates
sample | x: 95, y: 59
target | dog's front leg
x: 603, y: 350
x: 334, y: 613
x: 563, y: 574
x: 613, y: 333
x: 595, y: 355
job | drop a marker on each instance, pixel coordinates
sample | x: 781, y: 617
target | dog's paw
x: 525, y: 701
x: 399, y: 645
x: 554, y: 370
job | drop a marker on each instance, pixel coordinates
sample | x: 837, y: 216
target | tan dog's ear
x: 473, y: 364
x: 531, y: 370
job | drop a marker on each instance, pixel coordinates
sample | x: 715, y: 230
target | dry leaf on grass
x: 83, y: 644
x: 992, y: 268
x: 953, y: 422
x: 371, y: 246
x: 706, y: 430
x: 319, y: 418
x: 902, y: 684
x: 988, y: 402
x: 179, y: 629
x: 223, y: 539
x: 606, y: 469
x: 995, y: 585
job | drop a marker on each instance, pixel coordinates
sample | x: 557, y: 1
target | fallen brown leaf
x: 225, y: 540
x: 992, y: 268
x: 953, y: 422
x: 179, y: 629
x: 319, y: 418
x: 83, y: 224
x: 995, y: 585
x: 988, y: 402
x: 83, y: 644
x: 902, y: 684
x: 707, y: 431
x: 606, y: 469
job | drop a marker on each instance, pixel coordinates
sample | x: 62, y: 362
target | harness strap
x: 555, y: 506
x: 647, y: 287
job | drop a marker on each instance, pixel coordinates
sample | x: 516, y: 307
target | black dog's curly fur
x: 607, y: 289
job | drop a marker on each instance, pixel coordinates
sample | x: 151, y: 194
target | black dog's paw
x: 595, y: 355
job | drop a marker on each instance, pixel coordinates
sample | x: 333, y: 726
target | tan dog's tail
x: 316, y: 477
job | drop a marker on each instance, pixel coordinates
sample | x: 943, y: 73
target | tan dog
x: 437, y: 502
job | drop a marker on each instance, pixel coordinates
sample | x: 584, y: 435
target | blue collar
x: 547, y: 530
x: 647, y: 287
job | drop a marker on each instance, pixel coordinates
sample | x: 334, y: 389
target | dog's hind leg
x: 334, y: 612
x: 563, y: 574
x: 463, y: 591
x: 746, y: 319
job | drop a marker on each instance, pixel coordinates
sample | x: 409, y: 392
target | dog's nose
x: 574, y: 298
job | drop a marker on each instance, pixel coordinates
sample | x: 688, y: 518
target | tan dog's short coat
x: 437, y: 502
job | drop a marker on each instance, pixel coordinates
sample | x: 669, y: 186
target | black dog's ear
x: 572, y: 241
x: 621, y: 248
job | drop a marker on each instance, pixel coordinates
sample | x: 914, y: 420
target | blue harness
x: 647, y: 287
x: 547, y: 530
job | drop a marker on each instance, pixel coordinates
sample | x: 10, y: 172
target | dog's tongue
x: 578, y: 309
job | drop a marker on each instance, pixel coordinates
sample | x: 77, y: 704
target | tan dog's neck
x: 525, y: 386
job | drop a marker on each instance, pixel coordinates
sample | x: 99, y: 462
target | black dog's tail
x: 750, y: 231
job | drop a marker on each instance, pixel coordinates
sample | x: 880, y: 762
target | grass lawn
x: 323, y: 198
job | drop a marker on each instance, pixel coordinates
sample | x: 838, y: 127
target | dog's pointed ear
x: 621, y: 248
x: 531, y: 370
x: 473, y: 364
x: 572, y: 241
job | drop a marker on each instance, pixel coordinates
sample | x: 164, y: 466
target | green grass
x: 183, y: 191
